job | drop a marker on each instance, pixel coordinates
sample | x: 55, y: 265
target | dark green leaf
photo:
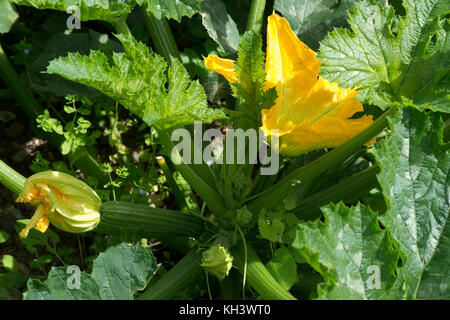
x: 122, y: 270
x: 270, y: 224
x: 220, y: 26
x: 59, y: 45
x: 62, y: 284
x: 351, y: 252
x: 216, y: 87
x: 412, y: 65
x: 311, y: 20
x: 415, y: 167
x: 117, y: 273
x: 283, y: 268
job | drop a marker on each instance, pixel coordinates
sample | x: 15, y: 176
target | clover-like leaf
x: 283, y: 268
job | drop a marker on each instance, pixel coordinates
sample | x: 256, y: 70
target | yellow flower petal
x: 310, y: 112
x: 39, y: 220
x: 290, y: 64
x: 43, y: 224
x: 224, y: 67
x: 325, y: 133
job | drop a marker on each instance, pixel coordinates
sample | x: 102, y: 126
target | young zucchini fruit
x: 171, y: 227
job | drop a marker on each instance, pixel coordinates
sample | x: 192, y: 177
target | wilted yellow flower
x: 68, y: 203
x: 217, y: 261
x: 310, y: 112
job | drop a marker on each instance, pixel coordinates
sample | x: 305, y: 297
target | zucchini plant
x: 323, y: 175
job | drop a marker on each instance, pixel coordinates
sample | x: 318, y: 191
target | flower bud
x: 217, y: 260
x: 68, y: 203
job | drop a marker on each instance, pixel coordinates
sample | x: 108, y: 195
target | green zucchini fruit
x: 171, y: 227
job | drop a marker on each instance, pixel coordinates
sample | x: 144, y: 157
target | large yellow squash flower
x: 310, y: 112
x: 68, y: 203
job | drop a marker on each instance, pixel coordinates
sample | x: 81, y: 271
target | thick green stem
x: 212, y: 199
x: 26, y: 100
x: 88, y: 165
x: 176, y: 279
x: 261, y: 183
x: 161, y: 35
x: 275, y: 194
x: 229, y: 287
x: 13, y: 180
x: 120, y: 24
x: 256, y: 16
x: 179, y: 197
x: 346, y: 190
x: 257, y: 275
x: 446, y: 134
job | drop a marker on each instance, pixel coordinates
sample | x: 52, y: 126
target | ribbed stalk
x: 179, y: 197
x: 161, y: 35
x: 28, y: 103
x: 141, y: 217
x: 349, y: 188
x: 261, y: 183
x: 256, y: 15
x: 229, y: 287
x: 446, y: 134
x: 170, y: 227
x: 11, y: 179
x: 176, y: 279
x: 212, y: 199
x: 275, y: 194
x: 120, y: 24
x: 203, y: 170
x: 257, y: 275
x: 89, y: 166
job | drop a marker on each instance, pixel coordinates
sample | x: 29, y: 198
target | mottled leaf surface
x: 415, y: 176
x: 351, y: 252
